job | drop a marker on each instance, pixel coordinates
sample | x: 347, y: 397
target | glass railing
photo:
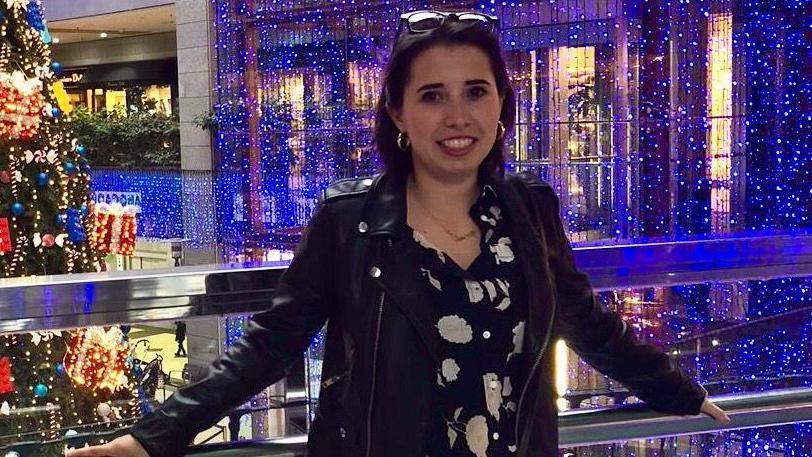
x: 734, y: 313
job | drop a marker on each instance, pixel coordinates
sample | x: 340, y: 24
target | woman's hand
x: 125, y: 446
x: 709, y: 408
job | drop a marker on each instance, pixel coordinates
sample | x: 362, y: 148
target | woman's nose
x: 457, y: 114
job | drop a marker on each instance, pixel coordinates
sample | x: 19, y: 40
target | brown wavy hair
x: 407, y: 47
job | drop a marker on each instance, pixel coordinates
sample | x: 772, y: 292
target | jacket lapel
x: 405, y: 289
x: 533, y: 260
x: 385, y: 215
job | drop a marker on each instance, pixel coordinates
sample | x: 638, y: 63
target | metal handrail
x: 54, y: 302
x: 632, y: 422
x: 594, y: 426
x: 581, y: 427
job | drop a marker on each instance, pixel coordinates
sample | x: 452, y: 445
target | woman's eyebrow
x: 440, y: 85
x: 430, y: 86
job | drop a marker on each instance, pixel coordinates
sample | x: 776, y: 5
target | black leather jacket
x: 380, y: 351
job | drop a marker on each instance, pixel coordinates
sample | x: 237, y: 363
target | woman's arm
x: 273, y: 341
x: 601, y: 337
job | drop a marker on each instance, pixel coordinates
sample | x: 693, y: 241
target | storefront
x: 103, y: 87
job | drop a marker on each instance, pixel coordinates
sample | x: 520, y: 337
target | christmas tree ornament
x: 13, y: 4
x: 81, y: 150
x: 41, y: 156
x: 34, y: 16
x: 104, y: 411
x: 42, y: 179
x: 48, y: 240
x: 40, y: 390
x: 76, y: 231
x: 6, y: 378
x: 97, y: 359
x: 46, y: 36
x: 56, y: 67
x: 61, y: 220
x: 60, y: 369
x: 85, y: 209
x: 17, y: 209
x: 46, y: 335
x: 70, y: 168
x: 56, y: 112
x: 60, y: 239
x: 12, y: 454
x: 21, y: 104
x: 114, y: 228
x: 5, y: 236
x: 5, y: 409
x: 5, y: 177
x: 62, y: 97
x: 43, y: 72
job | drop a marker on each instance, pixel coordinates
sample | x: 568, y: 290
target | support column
x: 195, y: 71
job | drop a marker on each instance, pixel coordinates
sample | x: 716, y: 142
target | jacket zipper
x: 530, y: 378
x: 375, y: 366
x: 521, y: 397
x: 374, y: 375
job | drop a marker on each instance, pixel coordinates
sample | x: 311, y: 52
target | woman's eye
x: 430, y: 96
x: 477, y: 92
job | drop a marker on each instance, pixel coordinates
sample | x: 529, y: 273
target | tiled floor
x: 161, y: 341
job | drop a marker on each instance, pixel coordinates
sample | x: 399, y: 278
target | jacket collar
x: 385, y: 206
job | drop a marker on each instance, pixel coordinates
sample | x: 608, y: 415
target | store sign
x: 122, y: 198
x: 72, y: 78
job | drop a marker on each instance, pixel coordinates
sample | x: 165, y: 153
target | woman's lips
x: 457, y: 152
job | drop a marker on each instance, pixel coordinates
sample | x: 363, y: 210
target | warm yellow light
x: 720, y: 112
x: 561, y: 367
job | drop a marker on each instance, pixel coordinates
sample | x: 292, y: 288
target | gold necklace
x: 457, y: 238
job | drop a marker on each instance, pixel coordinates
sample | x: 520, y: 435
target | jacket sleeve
x: 273, y: 341
x: 601, y: 337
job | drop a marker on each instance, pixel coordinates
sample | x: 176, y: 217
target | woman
x: 443, y: 281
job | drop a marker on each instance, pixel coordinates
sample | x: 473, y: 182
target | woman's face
x: 450, y: 110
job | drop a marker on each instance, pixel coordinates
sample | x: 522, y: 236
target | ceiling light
x: 55, y: 40
x: 103, y: 34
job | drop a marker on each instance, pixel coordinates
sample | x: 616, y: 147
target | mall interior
x: 161, y: 159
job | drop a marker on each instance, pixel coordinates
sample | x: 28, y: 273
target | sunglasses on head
x: 425, y: 21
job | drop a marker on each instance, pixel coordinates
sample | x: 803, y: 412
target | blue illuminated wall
x: 638, y: 149
x: 157, y: 192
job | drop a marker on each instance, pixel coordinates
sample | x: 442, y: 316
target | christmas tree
x: 51, y: 383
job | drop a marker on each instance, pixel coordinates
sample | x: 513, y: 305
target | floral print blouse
x: 480, y: 316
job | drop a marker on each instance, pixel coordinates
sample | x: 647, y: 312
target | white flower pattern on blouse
x: 481, y: 337
x: 475, y: 294
x: 454, y: 329
x: 502, y: 250
x: 450, y: 370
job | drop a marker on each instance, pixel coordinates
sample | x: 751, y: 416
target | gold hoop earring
x: 500, y: 130
x: 401, y: 145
